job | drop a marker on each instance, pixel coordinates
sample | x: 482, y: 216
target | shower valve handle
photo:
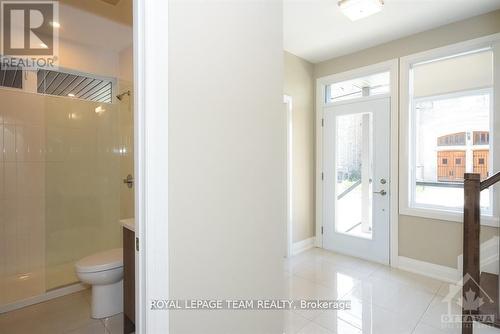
x: 129, y: 181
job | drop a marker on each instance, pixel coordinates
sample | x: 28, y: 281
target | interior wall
x: 471, y: 28
x: 227, y: 158
x: 299, y: 84
x: 86, y: 59
x: 416, y: 241
x: 120, y: 12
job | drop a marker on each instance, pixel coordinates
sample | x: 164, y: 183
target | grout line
x: 427, y: 308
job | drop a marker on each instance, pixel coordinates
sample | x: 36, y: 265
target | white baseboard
x: 303, y: 245
x: 43, y: 297
x: 428, y: 269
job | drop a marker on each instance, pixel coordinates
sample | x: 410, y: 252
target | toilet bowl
x: 104, y: 272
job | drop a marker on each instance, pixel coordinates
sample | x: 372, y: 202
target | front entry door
x: 356, y: 161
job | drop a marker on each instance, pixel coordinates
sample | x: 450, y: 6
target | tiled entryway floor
x: 383, y: 300
x: 69, y: 314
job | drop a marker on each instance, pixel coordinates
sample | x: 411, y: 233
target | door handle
x: 381, y: 192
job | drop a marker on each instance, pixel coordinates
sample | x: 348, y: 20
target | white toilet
x: 104, y: 272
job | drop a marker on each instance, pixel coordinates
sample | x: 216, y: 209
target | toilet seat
x: 102, y: 261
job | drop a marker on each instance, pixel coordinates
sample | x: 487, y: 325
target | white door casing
x: 366, y: 202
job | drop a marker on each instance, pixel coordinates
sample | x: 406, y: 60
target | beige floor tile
x: 416, y: 281
x: 313, y: 328
x: 426, y: 329
x: 335, y: 322
x: 94, y: 328
x: 341, y: 279
x: 293, y: 322
x: 58, y: 315
x: 301, y: 288
x: 114, y: 324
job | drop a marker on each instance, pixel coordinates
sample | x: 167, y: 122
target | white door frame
x: 289, y: 176
x: 393, y: 67
x: 151, y: 162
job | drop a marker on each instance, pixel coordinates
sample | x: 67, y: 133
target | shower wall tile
x: 22, y: 193
x: 10, y: 180
x: 31, y: 179
x: 2, y: 183
x: 1, y: 142
x: 31, y: 110
x: 19, y: 107
x: 56, y: 146
x: 56, y: 114
x: 82, y: 168
x: 9, y: 235
x: 9, y: 107
x: 126, y: 145
x: 3, y: 247
x: 30, y: 143
x: 9, y: 142
x: 61, y: 166
x: 31, y: 232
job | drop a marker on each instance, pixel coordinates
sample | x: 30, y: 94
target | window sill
x: 452, y: 216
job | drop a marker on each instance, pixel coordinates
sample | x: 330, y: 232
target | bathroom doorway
x: 67, y: 152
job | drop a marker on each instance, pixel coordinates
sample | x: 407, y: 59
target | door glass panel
x: 370, y: 85
x: 353, y: 186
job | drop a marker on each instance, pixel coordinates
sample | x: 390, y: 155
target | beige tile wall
x: 60, y: 188
x: 22, y: 196
x: 126, y: 107
x: 83, y: 184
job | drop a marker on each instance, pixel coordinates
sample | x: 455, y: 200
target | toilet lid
x: 101, y: 261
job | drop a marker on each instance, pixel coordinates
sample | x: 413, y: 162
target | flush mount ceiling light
x: 358, y: 9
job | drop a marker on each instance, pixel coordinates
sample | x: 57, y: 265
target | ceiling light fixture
x: 358, y: 9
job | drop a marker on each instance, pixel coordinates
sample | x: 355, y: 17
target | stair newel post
x: 472, y: 192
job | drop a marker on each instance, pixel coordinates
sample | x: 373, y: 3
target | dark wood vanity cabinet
x: 128, y: 281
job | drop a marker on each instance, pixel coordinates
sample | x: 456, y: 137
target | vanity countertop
x: 128, y: 223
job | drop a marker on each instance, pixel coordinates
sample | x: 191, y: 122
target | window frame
x: 30, y: 85
x: 392, y: 66
x: 407, y: 123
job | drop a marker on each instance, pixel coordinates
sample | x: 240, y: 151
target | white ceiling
x: 316, y: 30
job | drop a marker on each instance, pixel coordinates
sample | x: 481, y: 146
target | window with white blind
x: 447, y: 129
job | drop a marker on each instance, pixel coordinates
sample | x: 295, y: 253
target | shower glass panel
x: 82, y: 179
x: 60, y: 189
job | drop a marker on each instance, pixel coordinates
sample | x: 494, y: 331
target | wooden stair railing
x: 471, y: 241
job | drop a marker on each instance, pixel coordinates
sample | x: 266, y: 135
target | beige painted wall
x: 434, y: 241
x: 299, y: 84
x: 428, y: 240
